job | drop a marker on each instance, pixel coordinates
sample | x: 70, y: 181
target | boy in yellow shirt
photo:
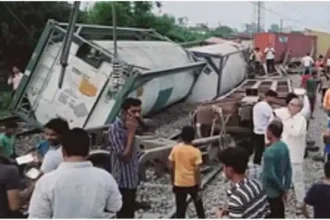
x: 184, y: 165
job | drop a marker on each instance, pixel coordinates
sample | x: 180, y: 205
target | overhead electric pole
x: 281, y: 25
x: 259, y: 15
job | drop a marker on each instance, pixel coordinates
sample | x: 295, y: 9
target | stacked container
x: 296, y: 43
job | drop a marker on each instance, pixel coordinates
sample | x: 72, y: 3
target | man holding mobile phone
x: 125, y: 154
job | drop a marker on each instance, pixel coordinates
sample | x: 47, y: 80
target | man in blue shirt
x: 125, y: 154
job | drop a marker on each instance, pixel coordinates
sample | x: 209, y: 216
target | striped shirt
x: 247, y: 199
x: 124, y: 172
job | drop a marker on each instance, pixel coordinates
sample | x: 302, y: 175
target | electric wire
x: 280, y: 15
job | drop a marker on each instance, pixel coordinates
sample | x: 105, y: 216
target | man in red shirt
x: 304, y: 78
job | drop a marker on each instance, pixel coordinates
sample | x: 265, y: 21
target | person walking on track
x: 184, y: 165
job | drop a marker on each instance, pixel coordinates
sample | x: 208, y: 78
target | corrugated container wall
x: 298, y: 44
x: 323, y: 41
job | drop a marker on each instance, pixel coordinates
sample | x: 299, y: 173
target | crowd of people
x: 69, y: 186
x: 280, y: 140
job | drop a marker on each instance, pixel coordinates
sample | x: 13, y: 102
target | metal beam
x: 106, y: 32
x: 104, y: 27
x: 68, y: 41
x: 256, y: 85
x: 148, y: 75
x: 274, y: 85
x: 43, y: 40
x: 157, y: 153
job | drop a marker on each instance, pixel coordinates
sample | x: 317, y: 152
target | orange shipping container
x: 298, y: 44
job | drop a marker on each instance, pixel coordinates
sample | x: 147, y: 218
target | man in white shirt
x: 52, y: 151
x: 307, y: 62
x: 270, y: 58
x: 15, y: 79
x: 262, y: 115
x: 294, y: 135
x: 75, y: 189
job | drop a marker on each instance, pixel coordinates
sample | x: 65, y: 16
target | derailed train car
x: 227, y: 68
x: 149, y: 67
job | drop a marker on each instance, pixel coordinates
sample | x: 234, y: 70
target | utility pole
x: 114, y: 30
x: 258, y: 14
x: 281, y: 25
x: 258, y: 17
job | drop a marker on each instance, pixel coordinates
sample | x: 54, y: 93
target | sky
x: 297, y: 14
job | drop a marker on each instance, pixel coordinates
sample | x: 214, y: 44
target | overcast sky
x: 298, y: 14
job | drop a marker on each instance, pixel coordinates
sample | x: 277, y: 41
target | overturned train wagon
x: 149, y: 67
x: 227, y: 66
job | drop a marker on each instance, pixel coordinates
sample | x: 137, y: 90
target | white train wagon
x: 151, y: 68
x: 226, y: 69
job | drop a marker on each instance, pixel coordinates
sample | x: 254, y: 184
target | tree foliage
x: 21, y: 25
x: 222, y: 31
x: 139, y: 14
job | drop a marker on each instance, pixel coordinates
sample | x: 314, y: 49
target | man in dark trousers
x: 125, y: 154
x: 312, y: 85
x: 262, y: 115
x: 184, y: 164
x: 277, y: 172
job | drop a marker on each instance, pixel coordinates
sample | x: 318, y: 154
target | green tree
x: 222, y: 31
x: 274, y: 28
x: 21, y: 26
x: 139, y: 14
x: 101, y: 13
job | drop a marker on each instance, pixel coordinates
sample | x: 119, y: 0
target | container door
x: 80, y: 92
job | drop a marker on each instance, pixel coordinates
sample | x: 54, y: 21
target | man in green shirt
x: 7, y: 140
x: 311, y: 89
x: 277, y: 172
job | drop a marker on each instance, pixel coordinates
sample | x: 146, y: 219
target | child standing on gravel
x: 184, y: 165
